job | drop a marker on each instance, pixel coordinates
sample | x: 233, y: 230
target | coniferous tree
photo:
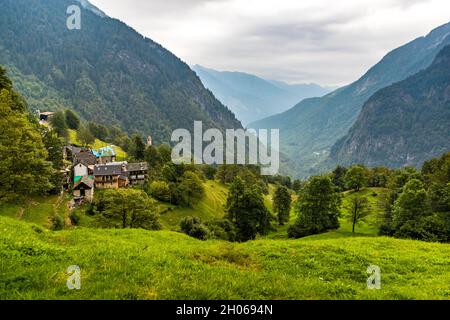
x: 138, y: 148
x: 72, y: 120
x: 59, y: 125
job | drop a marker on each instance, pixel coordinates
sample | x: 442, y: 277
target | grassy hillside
x: 37, y: 210
x: 212, y: 206
x: 137, y: 264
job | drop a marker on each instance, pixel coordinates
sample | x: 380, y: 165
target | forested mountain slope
x: 310, y: 129
x: 106, y: 71
x: 404, y: 124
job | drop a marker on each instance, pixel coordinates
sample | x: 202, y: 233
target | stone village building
x: 97, y: 169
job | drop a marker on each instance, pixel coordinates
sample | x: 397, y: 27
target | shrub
x: 192, y: 226
x: 160, y: 190
x: 57, y: 223
x: 222, y: 229
x: 75, y: 218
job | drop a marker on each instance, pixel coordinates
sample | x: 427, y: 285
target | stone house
x: 137, y: 173
x: 111, y: 175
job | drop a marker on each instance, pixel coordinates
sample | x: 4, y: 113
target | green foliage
x: 222, y: 229
x: 126, y: 208
x: 419, y: 206
x: 282, y: 204
x: 190, y: 189
x: 137, y: 148
x: 24, y: 169
x: 412, y: 204
x: 208, y: 171
x: 355, y: 178
x: 246, y: 210
x: 436, y: 173
x: 57, y: 223
x: 297, y: 185
x: 399, y: 178
x: 192, y: 226
x: 59, y: 125
x: 72, y: 120
x: 98, y: 130
x: 358, y: 210
x: 126, y: 80
x: 338, y: 177
x: 160, y: 190
x: 250, y: 174
x: 75, y: 218
x: 5, y: 81
x: 378, y: 177
x: 54, y: 146
x: 317, y: 208
x: 85, y: 136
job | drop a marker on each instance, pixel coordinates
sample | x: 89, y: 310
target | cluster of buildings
x: 98, y: 169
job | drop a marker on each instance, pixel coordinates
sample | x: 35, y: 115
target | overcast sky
x: 330, y: 42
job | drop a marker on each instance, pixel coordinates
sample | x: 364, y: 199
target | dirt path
x: 21, y: 213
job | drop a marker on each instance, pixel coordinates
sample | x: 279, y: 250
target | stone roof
x: 141, y: 166
x: 85, y: 157
x: 86, y: 181
x: 109, y: 169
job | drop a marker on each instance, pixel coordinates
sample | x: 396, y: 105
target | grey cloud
x: 322, y: 41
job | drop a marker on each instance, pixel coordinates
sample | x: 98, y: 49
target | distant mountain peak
x: 89, y: 6
x: 251, y: 97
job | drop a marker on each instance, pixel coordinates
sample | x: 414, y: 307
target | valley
x: 94, y: 188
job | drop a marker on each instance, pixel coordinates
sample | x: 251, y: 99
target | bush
x: 222, y: 230
x: 57, y: 223
x: 296, y: 231
x: 160, y: 190
x: 75, y: 218
x: 192, y: 226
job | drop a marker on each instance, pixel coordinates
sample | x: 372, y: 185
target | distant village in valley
x: 92, y: 169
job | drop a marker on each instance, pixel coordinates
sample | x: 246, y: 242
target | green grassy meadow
x: 139, y: 264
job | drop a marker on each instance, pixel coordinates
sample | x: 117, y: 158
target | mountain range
x: 107, y: 72
x: 251, y: 97
x: 309, y: 130
x: 404, y: 124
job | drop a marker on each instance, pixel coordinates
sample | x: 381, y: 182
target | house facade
x: 111, y: 175
x: 137, y: 173
x: 83, y: 190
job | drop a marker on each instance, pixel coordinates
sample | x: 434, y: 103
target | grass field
x: 37, y: 210
x: 137, y: 264
x: 210, y: 207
